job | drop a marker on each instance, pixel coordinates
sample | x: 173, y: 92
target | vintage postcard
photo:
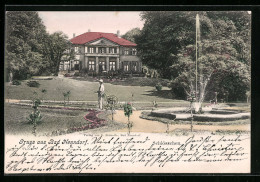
x: 127, y: 92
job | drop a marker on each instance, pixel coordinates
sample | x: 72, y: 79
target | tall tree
x: 132, y: 34
x: 55, y: 48
x: 25, y: 33
x: 167, y: 43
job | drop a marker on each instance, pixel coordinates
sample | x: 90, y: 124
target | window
x: 102, y: 65
x: 112, y: 65
x: 112, y: 50
x: 134, y: 52
x: 91, y: 50
x: 101, y: 50
x: 76, y: 49
x: 134, y: 64
x: 91, y: 65
x: 126, y: 67
x: 126, y: 51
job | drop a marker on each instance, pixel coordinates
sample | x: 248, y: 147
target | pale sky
x: 79, y: 22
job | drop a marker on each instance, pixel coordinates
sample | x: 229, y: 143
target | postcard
x: 127, y: 92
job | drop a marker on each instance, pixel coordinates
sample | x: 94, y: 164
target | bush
x: 158, y: 87
x: 33, y: 84
x: 16, y: 82
x: 67, y: 75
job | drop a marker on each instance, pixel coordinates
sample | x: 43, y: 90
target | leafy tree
x: 30, y: 50
x: 25, y: 33
x: 132, y: 34
x: 55, y: 48
x: 167, y: 43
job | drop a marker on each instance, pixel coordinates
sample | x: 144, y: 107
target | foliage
x: 30, y: 50
x: 224, y: 51
x: 66, y: 95
x: 128, y: 110
x: 35, y: 117
x: 57, y: 48
x: 16, y: 82
x: 33, y: 84
x: 158, y: 87
x: 25, y: 33
x: 132, y: 34
x: 111, y: 104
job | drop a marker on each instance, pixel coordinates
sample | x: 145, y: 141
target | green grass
x: 82, y: 90
x: 53, y: 120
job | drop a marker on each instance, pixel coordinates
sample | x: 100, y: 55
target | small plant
x: 158, y: 87
x: 35, y: 117
x: 33, y: 84
x: 16, y: 82
x: 66, y: 95
x: 155, y: 104
x: 111, y: 104
x: 128, y: 110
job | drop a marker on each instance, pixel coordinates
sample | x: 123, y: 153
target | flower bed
x: 95, y: 122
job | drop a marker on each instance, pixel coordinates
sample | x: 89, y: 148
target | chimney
x: 89, y: 30
x: 118, y: 33
x: 74, y: 35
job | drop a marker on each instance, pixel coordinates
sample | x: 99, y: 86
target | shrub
x: 33, y: 84
x: 158, y: 87
x: 16, y: 82
x: 67, y: 75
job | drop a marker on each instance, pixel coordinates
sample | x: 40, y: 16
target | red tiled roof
x: 90, y: 36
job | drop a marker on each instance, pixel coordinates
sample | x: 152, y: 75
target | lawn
x: 53, y: 121
x: 83, y: 90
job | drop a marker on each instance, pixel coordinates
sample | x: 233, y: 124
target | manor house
x: 103, y: 52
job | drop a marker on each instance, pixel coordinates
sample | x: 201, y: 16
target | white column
x: 86, y: 62
x: 96, y: 49
x: 107, y: 63
x: 117, y: 50
x: 117, y: 63
x: 86, y: 49
x: 97, y: 65
x: 107, y: 51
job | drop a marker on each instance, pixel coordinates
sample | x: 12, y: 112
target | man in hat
x: 101, y: 92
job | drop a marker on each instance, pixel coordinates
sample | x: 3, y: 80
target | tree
x: 56, y: 46
x: 132, y: 34
x: 167, y: 43
x: 223, y: 63
x: 25, y: 33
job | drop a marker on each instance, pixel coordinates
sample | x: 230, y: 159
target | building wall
x: 122, y: 60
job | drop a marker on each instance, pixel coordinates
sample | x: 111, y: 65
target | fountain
x: 196, y: 112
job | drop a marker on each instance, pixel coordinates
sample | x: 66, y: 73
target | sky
x: 79, y: 22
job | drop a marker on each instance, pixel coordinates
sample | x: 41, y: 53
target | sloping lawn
x: 82, y: 90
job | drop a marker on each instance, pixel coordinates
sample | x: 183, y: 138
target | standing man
x: 101, y: 92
